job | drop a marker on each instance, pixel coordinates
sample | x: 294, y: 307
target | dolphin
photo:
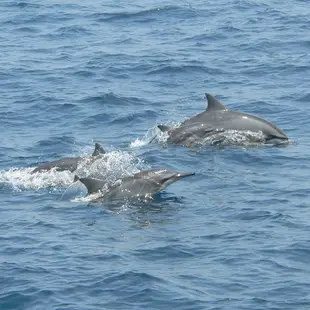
x: 70, y: 163
x: 218, y: 119
x: 142, y: 185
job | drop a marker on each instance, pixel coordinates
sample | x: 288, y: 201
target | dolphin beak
x: 176, y: 177
x: 183, y: 175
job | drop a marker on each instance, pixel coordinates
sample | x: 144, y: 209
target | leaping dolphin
x: 70, y: 163
x: 218, y: 119
x: 142, y: 185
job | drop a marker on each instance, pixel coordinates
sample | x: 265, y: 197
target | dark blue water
x: 235, y: 236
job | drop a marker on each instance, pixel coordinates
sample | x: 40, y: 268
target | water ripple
x: 148, y: 15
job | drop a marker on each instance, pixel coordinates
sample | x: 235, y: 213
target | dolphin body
x: 70, y: 163
x: 218, y: 119
x: 142, y: 185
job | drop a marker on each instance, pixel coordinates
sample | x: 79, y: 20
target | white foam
x: 244, y: 138
x: 235, y: 137
x: 110, y: 167
x: 138, y: 143
x: 228, y: 137
x: 87, y: 198
x: 22, y: 178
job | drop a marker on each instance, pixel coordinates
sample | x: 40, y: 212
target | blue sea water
x: 234, y: 236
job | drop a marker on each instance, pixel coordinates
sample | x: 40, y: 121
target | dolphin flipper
x: 98, y: 150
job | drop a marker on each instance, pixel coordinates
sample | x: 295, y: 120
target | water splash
x: 148, y: 138
x: 245, y: 138
x: 20, y: 179
x: 111, y: 167
x: 153, y: 134
x: 235, y: 137
x: 88, y: 198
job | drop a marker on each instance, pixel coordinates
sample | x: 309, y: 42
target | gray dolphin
x: 70, y: 163
x: 142, y: 185
x: 217, y: 119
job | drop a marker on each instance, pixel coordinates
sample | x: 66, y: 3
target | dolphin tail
x: 163, y: 128
x: 98, y: 150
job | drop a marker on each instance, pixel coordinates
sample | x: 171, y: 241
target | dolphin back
x: 142, y: 185
x: 60, y: 165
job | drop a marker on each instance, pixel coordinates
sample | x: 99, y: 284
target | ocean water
x: 234, y: 236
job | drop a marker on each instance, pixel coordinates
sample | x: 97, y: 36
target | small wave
x: 92, y: 121
x: 53, y: 107
x: 73, y: 30
x: 14, y: 299
x: 138, y: 116
x: 203, y: 39
x: 28, y: 29
x: 305, y: 98
x: 159, y: 253
x: 112, y: 99
x: 56, y: 141
x: 23, y: 4
x: 85, y: 73
x: 146, y: 15
x: 37, y: 19
x: 186, y: 68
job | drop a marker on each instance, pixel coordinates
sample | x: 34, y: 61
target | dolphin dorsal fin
x: 163, y: 128
x: 92, y: 185
x: 98, y: 150
x: 214, y: 104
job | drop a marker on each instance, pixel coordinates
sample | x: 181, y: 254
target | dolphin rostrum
x: 142, y: 185
x: 70, y: 163
x: 219, y: 119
